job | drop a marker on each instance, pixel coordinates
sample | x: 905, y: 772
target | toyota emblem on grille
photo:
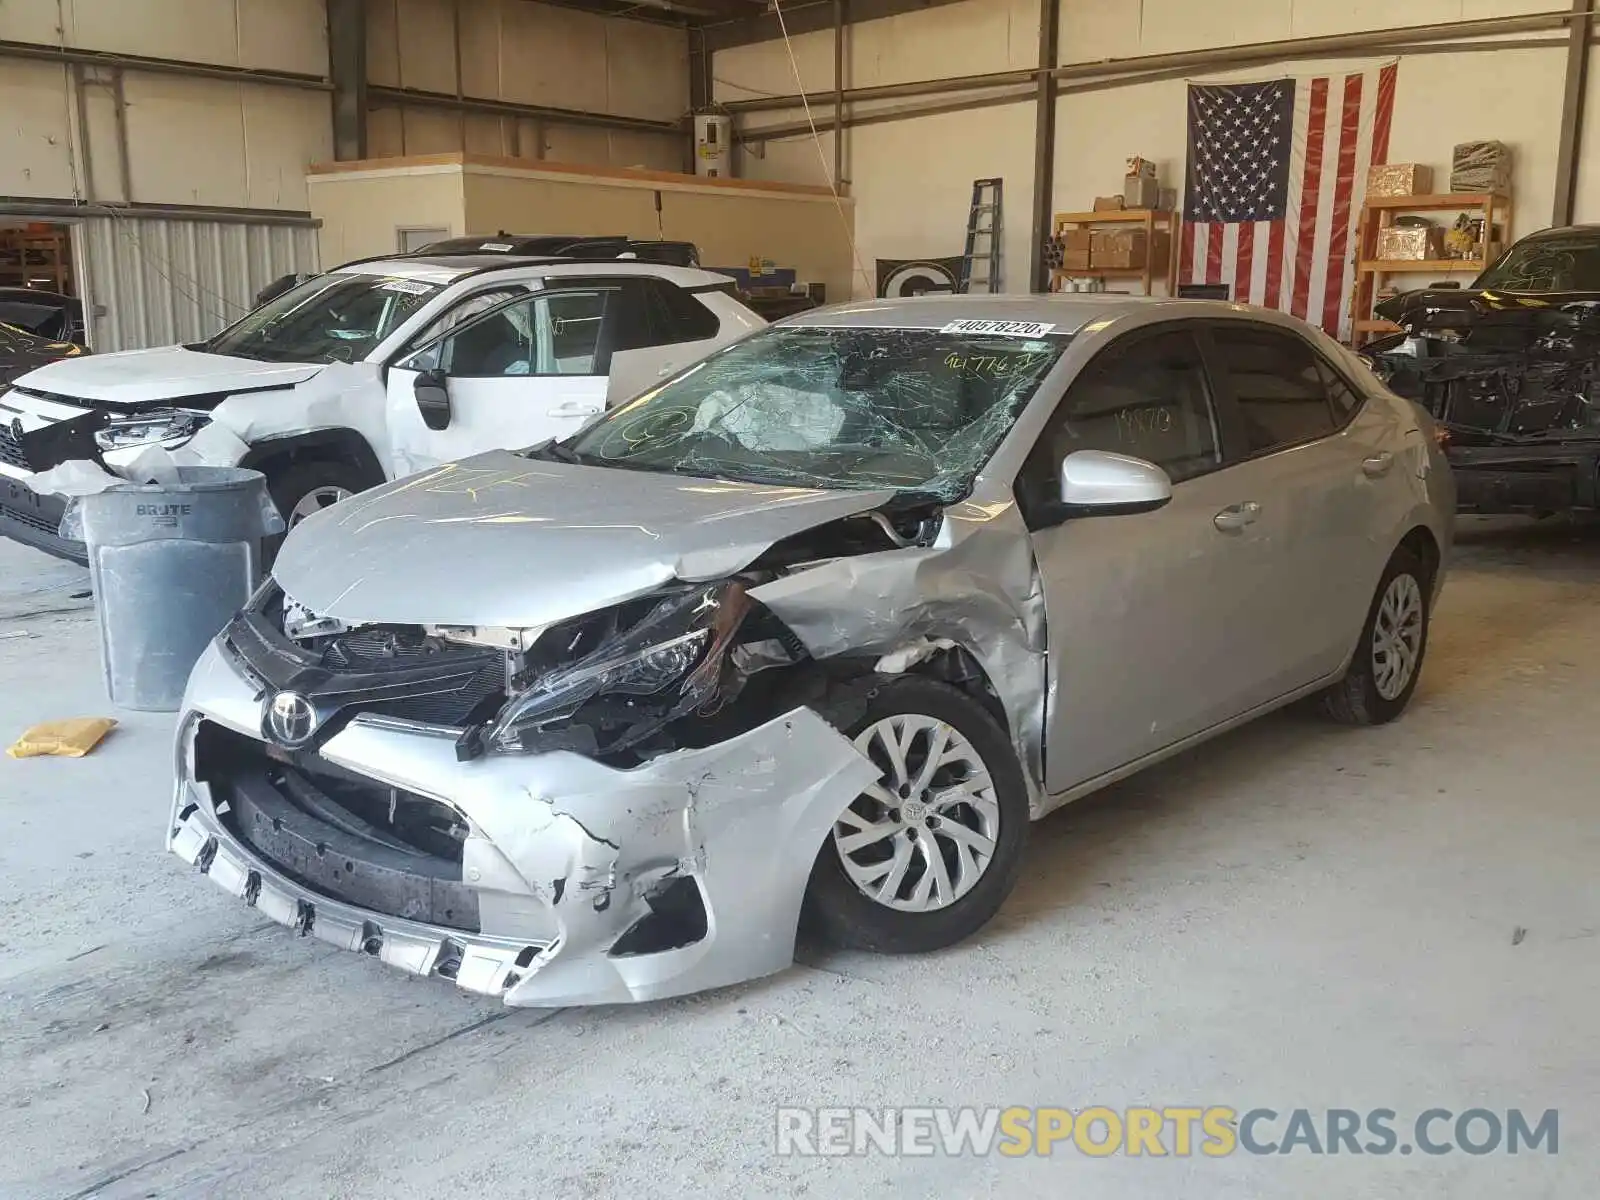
x: 291, y: 719
x: 16, y: 430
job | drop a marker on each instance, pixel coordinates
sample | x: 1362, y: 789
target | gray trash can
x: 170, y: 564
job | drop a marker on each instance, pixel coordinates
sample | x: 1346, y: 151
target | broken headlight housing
x: 667, y: 662
x: 169, y: 427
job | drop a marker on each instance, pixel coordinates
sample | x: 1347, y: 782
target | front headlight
x: 673, y: 653
x: 169, y: 427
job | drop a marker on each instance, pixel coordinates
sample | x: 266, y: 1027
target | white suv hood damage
x: 502, y: 540
x: 170, y: 373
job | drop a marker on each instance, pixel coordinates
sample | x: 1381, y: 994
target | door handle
x: 574, y: 408
x: 1237, y: 516
x: 1378, y: 465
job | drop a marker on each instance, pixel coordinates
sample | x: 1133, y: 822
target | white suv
x: 369, y: 372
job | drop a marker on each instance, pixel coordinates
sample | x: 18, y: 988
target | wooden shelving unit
x: 1379, y: 212
x: 1153, y: 220
x: 35, y: 259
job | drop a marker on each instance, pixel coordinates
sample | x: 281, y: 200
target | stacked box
x: 1075, y: 249
x: 1126, y: 249
x: 1399, y: 179
x: 1140, y: 191
x: 1481, y: 167
x: 1410, y: 243
x: 1108, y: 204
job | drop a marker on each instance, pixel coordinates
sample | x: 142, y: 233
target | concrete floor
x: 1294, y: 916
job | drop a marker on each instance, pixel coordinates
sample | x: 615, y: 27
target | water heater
x: 713, y: 145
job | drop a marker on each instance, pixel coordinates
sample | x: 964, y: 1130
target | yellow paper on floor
x: 72, y: 738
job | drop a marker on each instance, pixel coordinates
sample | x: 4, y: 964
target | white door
x: 529, y: 370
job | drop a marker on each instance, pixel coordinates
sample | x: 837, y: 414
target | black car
x: 21, y: 352
x: 1510, y: 368
x: 49, y: 315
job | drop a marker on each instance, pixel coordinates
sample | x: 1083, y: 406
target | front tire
x: 301, y: 489
x: 1388, y: 659
x: 924, y: 857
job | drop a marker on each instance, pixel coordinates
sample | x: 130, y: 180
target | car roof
x: 448, y: 269
x: 1068, y: 313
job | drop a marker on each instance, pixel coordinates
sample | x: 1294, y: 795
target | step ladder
x: 983, y: 238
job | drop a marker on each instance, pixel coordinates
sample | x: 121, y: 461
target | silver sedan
x: 808, y: 633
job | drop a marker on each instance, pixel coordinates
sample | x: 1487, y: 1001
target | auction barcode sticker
x: 1025, y: 329
x: 409, y: 286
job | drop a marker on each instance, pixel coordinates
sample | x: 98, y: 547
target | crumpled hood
x: 168, y: 373
x: 502, y: 540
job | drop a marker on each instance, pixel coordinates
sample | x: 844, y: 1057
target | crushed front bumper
x: 33, y: 519
x: 592, y: 884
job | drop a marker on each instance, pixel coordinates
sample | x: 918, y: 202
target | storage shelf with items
x: 1129, y: 243
x: 1394, y: 239
x: 37, y: 259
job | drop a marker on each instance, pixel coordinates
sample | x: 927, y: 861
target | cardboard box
x: 1140, y: 166
x: 1075, y: 260
x: 1410, y: 243
x: 1140, y: 191
x: 1481, y: 167
x: 1399, y: 179
x: 1167, y: 201
x: 1076, y: 239
x: 1127, y: 249
x: 1108, y: 204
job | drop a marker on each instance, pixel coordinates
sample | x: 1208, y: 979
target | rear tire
x: 914, y: 868
x: 1388, y: 660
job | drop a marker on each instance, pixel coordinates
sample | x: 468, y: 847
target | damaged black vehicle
x: 1510, y: 369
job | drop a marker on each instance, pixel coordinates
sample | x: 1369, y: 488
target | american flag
x: 1275, y: 179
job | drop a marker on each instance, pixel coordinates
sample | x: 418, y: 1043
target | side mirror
x: 1096, y: 482
x: 433, y: 399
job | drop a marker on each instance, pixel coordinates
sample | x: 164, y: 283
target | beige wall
x: 208, y: 142
x: 362, y: 209
x: 911, y: 179
x: 362, y: 212
x: 527, y: 53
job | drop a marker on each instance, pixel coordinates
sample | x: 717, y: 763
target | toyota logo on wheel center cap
x: 291, y: 719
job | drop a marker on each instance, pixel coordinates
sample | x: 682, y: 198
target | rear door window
x: 1279, y: 384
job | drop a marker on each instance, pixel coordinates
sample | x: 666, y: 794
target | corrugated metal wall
x: 156, y: 281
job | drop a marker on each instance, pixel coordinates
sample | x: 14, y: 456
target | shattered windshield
x: 332, y: 318
x: 910, y: 409
x: 1547, y: 264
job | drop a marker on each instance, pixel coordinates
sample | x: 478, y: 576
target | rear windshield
x: 332, y: 318
x: 1547, y: 264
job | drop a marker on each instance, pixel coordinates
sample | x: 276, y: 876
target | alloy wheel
x: 1397, y: 636
x: 317, y: 499
x: 922, y: 836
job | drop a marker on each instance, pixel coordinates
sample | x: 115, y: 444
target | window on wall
x: 412, y: 238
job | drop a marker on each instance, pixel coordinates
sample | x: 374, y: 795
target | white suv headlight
x: 168, y: 427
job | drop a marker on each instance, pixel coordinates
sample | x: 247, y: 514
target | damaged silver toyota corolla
x: 807, y: 633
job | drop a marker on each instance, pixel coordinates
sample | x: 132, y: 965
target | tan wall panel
x: 361, y: 214
x: 553, y: 56
x: 496, y: 202
x: 383, y: 43
x: 36, y: 133
x: 285, y: 35
x: 1092, y: 30
x: 284, y: 132
x: 576, y: 144
x: 186, y: 140
x: 647, y: 70
x: 653, y: 151
x: 432, y: 131
x: 385, y: 133
x: 809, y: 235
x: 427, y: 55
